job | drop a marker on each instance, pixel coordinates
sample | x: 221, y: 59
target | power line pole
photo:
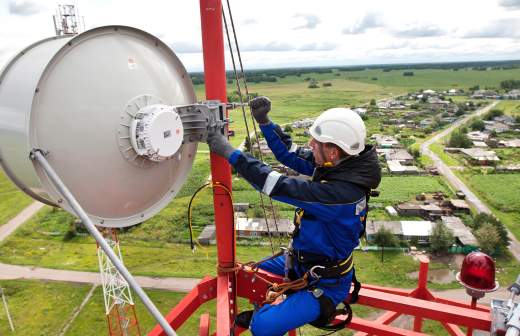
x: 6, y: 309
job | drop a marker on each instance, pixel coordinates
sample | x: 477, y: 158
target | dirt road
x: 456, y: 182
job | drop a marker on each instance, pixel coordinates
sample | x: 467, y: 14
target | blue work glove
x: 260, y: 106
x: 219, y: 144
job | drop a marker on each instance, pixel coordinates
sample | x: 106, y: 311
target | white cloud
x: 513, y: 4
x: 24, y: 8
x: 368, y: 21
x: 419, y: 30
x: 505, y: 28
x: 332, y: 32
x: 310, y: 21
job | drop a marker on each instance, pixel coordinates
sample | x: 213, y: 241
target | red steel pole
x: 215, y: 80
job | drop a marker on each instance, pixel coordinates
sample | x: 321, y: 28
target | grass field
x: 52, y: 304
x: 398, y: 189
x: 500, y: 192
x: 38, y: 307
x: 12, y: 199
x: 510, y: 107
x: 448, y: 159
x: 435, y: 79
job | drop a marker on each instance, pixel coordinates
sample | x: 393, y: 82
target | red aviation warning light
x: 478, y: 274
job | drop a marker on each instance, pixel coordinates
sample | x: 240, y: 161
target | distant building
x: 208, y: 235
x: 480, y: 144
x: 403, y: 230
x: 256, y: 227
x: 479, y: 156
x: 361, y: 111
x: 304, y: 123
x: 395, y: 167
x: 496, y: 126
x: 478, y: 136
x: 460, y: 231
x: 514, y: 143
x: 240, y: 207
x: 386, y: 141
x: 513, y: 94
x: 391, y: 211
x: 481, y: 94
x: 459, y: 205
x: 400, y: 155
x: 506, y: 120
x: 421, y: 230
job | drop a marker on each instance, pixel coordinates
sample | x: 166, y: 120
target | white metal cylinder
x: 73, y: 97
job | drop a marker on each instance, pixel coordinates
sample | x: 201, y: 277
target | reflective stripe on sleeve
x: 270, y: 182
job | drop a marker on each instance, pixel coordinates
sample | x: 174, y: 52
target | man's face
x: 318, y: 151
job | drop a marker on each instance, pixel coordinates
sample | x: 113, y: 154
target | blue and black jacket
x: 333, y: 200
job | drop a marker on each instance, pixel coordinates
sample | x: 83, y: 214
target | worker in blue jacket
x: 330, y: 210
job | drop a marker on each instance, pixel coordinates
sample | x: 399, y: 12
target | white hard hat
x: 342, y: 127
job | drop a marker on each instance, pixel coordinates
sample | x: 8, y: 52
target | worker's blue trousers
x: 299, y: 308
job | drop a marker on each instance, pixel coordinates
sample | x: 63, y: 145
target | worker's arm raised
x: 324, y: 200
x: 280, y: 143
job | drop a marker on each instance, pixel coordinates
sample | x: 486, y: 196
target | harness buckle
x: 313, y: 274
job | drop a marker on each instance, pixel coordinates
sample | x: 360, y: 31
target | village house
x: 256, y: 227
x: 478, y: 136
x: 461, y: 232
x: 459, y: 206
x: 395, y: 167
x: 479, y: 156
x: 513, y: 94
x: 513, y: 143
x: 506, y: 120
x: 420, y: 231
x: 361, y: 111
x: 496, y: 126
x: 488, y: 94
x: 386, y: 141
x: 304, y: 123
x: 400, y: 155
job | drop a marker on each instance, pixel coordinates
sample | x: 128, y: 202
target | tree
x: 372, y: 102
x: 459, y: 140
x: 441, y: 238
x: 288, y: 128
x: 494, y: 113
x: 482, y: 219
x: 477, y: 124
x: 385, y: 238
x: 313, y: 84
x: 488, y: 239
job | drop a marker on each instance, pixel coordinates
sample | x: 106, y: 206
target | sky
x: 298, y: 33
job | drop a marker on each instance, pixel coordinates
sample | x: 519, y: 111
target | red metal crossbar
x: 419, y: 303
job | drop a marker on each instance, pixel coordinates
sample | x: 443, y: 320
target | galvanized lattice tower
x: 119, y: 305
x: 66, y: 20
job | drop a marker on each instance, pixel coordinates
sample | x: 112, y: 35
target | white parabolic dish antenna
x: 89, y: 101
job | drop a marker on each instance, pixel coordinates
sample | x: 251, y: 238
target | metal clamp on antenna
x: 198, y: 119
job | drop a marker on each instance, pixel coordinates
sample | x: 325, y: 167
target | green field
x: 400, y: 189
x: 435, y: 79
x: 38, y: 307
x: 500, y: 192
x: 12, y: 199
x: 510, y: 107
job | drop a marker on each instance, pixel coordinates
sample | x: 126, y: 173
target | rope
x: 239, y: 91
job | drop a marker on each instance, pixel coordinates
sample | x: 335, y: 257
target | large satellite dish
x: 81, y: 99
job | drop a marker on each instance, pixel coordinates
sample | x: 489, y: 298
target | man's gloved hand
x: 218, y: 144
x: 260, y: 106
